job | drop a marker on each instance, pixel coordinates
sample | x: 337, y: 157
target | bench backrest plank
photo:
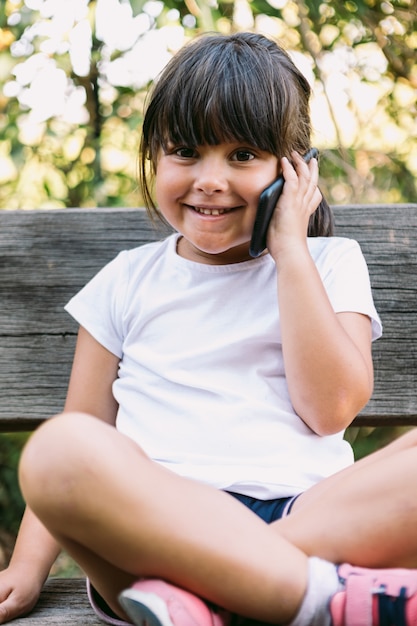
x: 388, y: 237
x: 47, y: 255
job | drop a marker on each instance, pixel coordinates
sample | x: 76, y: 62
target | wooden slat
x: 62, y: 601
x: 48, y: 255
x: 388, y: 238
x: 34, y: 372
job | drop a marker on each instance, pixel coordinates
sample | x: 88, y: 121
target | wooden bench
x: 47, y: 255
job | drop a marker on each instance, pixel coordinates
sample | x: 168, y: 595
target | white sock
x: 323, y: 583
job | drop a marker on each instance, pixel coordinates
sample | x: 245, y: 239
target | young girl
x: 199, y: 470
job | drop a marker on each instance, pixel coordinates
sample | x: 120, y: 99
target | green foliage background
x: 11, y: 503
x: 56, y: 162
x: 53, y: 162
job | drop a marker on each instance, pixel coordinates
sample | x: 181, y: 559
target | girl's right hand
x: 299, y: 199
x: 19, y: 591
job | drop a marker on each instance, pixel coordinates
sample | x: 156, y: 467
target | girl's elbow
x: 331, y: 417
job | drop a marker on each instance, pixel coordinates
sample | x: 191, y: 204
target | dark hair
x: 218, y: 88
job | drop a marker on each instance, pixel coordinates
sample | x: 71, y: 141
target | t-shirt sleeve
x: 98, y: 307
x: 346, y: 278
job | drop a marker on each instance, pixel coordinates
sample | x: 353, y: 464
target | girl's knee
x: 50, y: 455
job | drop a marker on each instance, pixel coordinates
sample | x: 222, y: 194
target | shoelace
x: 392, y: 610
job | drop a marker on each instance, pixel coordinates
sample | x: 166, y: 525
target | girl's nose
x: 211, y: 177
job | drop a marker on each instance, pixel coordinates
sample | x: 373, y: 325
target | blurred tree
x: 75, y: 72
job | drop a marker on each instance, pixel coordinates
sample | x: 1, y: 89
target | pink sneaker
x: 375, y: 597
x: 154, y: 602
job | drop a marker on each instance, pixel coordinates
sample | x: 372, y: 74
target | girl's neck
x: 235, y: 255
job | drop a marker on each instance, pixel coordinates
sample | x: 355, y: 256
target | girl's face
x: 209, y: 194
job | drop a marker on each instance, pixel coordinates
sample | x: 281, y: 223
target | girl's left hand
x: 298, y: 201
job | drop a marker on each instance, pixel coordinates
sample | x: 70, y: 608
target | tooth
x: 209, y: 211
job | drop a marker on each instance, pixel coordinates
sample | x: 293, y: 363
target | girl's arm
x: 327, y: 356
x: 33, y: 555
x: 93, y: 372
x: 90, y: 391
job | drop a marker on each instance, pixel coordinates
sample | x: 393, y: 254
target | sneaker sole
x: 145, y: 608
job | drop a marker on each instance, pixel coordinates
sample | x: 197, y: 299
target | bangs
x: 227, y: 95
x: 220, y: 111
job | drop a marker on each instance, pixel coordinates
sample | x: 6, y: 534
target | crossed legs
x: 365, y: 514
x: 121, y: 517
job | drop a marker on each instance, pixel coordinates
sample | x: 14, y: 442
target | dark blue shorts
x: 268, y: 510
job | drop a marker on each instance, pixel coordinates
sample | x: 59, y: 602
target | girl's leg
x: 365, y: 514
x: 123, y: 516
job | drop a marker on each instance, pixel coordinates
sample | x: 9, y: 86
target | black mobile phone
x: 266, y: 206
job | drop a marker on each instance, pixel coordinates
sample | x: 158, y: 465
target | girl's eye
x: 185, y: 153
x: 243, y: 155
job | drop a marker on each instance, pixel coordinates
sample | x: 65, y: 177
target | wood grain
x: 46, y: 256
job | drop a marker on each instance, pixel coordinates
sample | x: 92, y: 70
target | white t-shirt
x: 201, y: 385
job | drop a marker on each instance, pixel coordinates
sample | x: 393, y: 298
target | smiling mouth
x: 205, y: 211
